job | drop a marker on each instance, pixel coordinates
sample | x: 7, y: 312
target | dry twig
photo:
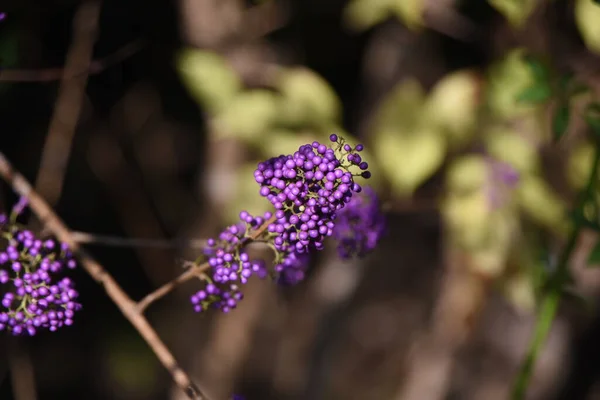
x: 194, y: 271
x: 125, y: 304
x: 55, y: 74
x: 68, y: 104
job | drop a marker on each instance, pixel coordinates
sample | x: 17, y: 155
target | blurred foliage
x: 413, y: 134
x: 515, y: 11
x: 587, y: 15
x: 299, y: 107
x: 453, y: 105
x: 306, y: 98
x: 482, y: 130
x: 408, y: 148
x: 364, y: 14
x: 131, y: 365
x: 248, y: 115
x: 208, y: 78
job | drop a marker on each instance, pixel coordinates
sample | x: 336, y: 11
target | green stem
x: 551, y: 300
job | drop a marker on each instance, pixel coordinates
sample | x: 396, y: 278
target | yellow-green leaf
x: 409, y: 11
x: 515, y: 11
x: 363, y: 14
x: 509, y: 147
x: 452, y: 105
x: 409, y: 158
x: 508, y: 79
x: 594, y: 256
x: 402, y: 108
x: 308, y: 99
x: 542, y: 204
x: 560, y: 120
x: 519, y: 289
x: 249, y: 116
x: 208, y: 78
x: 540, y: 92
x: 579, y: 164
x: 467, y: 218
x: 587, y: 17
x: 467, y: 174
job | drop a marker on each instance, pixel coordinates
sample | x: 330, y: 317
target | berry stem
x: 125, y: 304
x: 195, y: 271
x: 551, y: 299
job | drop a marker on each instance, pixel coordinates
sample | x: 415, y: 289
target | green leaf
x: 508, y: 146
x: 249, y: 116
x: 402, y: 108
x: 363, y: 14
x: 453, y: 104
x: 594, y: 256
x: 467, y: 173
x: 409, y: 157
x: 409, y: 11
x: 538, y: 93
x: 579, y: 164
x: 209, y: 79
x: 541, y: 72
x: 539, y: 201
x: 507, y: 79
x: 560, y: 121
x: 519, y: 290
x: 587, y: 16
x: 579, y: 219
x: 591, y: 115
x: 308, y: 99
x: 515, y: 11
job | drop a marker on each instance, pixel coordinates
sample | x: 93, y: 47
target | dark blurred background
x: 147, y: 160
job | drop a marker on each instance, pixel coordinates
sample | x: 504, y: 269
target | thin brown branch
x: 125, y: 304
x: 193, y: 272
x: 55, y: 74
x: 69, y: 102
x: 115, y: 241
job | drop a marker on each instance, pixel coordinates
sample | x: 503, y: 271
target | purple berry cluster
x: 34, y: 295
x: 292, y: 269
x: 230, y: 265
x: 309, y: 190
x: 359, y: 225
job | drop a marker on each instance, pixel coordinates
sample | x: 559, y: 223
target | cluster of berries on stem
x: 308, y: 190
x: 34, y: 293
